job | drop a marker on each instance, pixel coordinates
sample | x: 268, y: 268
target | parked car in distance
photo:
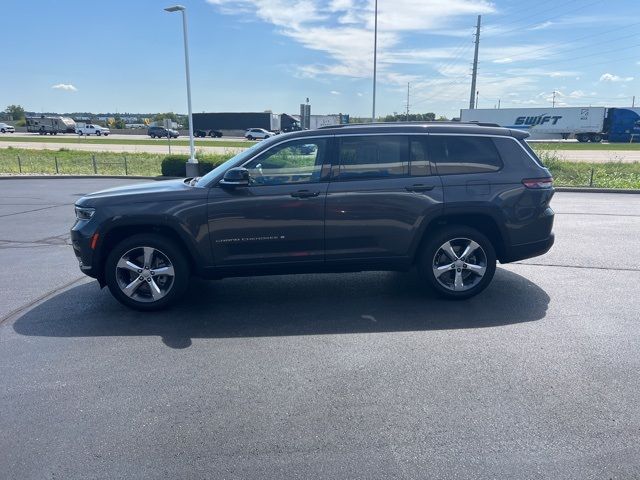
x: 208, y: 133
x: 5, y: 128
x: 257, y: 134
x: 159, y: 132
x: 91, y: 129
x: 450, y: 199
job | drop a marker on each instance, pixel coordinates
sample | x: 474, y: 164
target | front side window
x: 298, y: 161
x: 371, y: 157
x: 457, y: 154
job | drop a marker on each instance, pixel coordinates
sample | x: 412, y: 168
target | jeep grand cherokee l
x: 450, y: 199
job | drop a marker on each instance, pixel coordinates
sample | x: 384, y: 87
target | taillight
x: 538, y: 183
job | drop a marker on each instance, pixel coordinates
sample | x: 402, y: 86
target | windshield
x: 240, y: 157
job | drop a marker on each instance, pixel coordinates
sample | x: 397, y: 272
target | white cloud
x: 608, y: 77
x: 503, y: 60
x: 65, y: 86
x: 334, y: 92
x: 542, y: 26
x: 343, y: 30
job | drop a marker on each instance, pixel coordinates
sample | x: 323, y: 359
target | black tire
x: 595, y: 138
x: 250, y: 138
x: 582, y: 137
x: 152, y: 136
x: 1, y: 130
x: 98, y: 133
x: 453, y: 233
x: 169, y: 249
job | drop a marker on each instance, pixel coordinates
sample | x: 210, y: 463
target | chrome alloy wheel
x: 145, y: 274
x: 459, y: 264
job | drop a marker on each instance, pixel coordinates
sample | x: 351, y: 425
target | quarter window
x: 298, y: 161
x: 464, y: 154
x: 370, y: 157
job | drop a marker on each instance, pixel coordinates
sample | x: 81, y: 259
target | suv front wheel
x: 147, y: 272
x: 458, y: 262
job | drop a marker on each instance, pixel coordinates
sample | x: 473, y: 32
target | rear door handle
x: 419, y: 188
x: 304, y: 194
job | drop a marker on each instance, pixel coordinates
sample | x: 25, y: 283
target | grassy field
x: 125, y: 141
x: 70, y: 162
x: 584, y: 146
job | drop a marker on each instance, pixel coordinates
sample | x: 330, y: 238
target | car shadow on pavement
x: 288, y: 305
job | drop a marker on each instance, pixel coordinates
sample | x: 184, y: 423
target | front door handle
x: 304, y: 194
x: 418, y: 187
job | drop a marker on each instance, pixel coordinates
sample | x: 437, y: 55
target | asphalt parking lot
x: 322, y: 376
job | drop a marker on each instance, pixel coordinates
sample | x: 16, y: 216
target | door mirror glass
x: 235, y: 177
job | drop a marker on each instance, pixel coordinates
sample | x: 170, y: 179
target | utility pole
x: 375, y: 60
x: 477, y: 98
x: 474, y: 74
x: 498, y: 104
x: 408, y: 86
x: 633, y: 101
x: 553, y: 104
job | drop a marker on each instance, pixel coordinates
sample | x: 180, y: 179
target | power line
x: 594, y: 54
x: 582, y: 47
x: 545, y: 20
x: 527, y: 17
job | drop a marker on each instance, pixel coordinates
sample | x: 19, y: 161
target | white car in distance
x: 257, y: 134
x: 4, y: 128
x: 90, y: 129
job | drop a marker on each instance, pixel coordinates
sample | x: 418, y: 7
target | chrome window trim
x: 340, y: 134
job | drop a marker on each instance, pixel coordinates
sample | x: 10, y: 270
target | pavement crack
x: 34, y: 210
x: 41, y: 298
x: 599, y: 214
x: 559, y: 265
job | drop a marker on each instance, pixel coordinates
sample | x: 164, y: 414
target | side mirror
x: 235, y: 177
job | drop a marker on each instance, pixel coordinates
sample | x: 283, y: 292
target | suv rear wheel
x: 458, y: 262
x: 147, y: 272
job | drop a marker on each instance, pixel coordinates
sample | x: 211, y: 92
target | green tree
x: 179, y: 119
x: 118, y: 123
x: 16, y: 112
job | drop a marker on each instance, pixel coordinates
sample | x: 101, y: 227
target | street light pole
x: 375, y: 59
x: 192, y: 163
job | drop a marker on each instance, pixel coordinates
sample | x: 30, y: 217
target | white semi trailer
x: 583, y: 123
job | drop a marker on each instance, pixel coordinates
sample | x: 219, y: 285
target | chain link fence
x: 91, y: 164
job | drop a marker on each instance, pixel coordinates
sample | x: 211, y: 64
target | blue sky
x: 254, y: 55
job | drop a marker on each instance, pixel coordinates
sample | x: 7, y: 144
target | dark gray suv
x: 450, y: 199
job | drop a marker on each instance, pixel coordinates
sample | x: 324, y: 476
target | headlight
x: 84, y: 213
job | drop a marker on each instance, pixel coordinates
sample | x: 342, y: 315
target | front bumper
x: 81, y: 243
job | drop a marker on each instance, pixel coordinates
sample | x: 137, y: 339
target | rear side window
x: 370, y: 157
x: 457, y: 154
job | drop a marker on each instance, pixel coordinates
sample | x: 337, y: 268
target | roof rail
x: 390, y: 124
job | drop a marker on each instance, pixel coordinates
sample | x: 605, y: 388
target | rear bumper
x: 527, y: 250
